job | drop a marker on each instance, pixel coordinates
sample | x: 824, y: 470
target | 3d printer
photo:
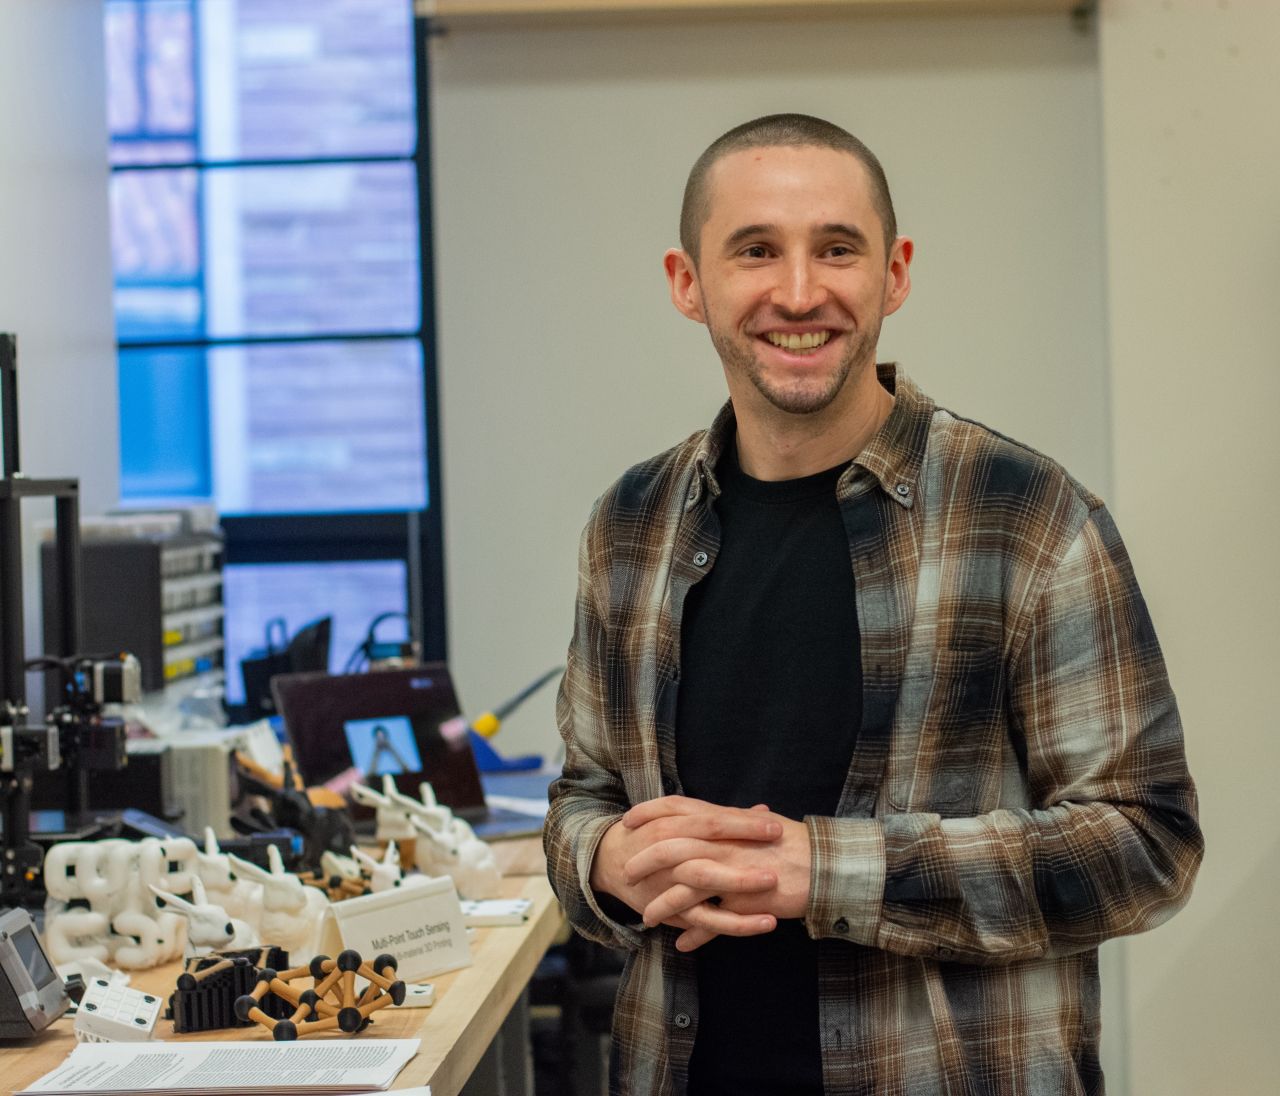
x: 76, y: 737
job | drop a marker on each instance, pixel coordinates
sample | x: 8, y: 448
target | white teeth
x: 807, y: 341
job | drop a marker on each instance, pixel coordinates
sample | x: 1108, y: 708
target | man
x: 869, y: 743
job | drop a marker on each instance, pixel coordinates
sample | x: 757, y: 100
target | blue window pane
x: 123, y: 42
x: 151, y: 94
x: 352, y: 592
x: 289, y: 79
x: 279, y: 79
x: 164, y: 425
x: 312, y: 250
x: 319, y: 427
x: 169, y: 72
x: 155, y: 246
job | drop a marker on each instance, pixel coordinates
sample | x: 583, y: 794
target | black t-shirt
x: 769, y: 706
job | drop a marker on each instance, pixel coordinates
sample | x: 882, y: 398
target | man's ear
x: 682, y: 278
x: 898, y: 278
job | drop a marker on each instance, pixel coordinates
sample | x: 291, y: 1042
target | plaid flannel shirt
x: 1017, y: 795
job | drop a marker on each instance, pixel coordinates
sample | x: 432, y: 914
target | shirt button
x: 903, y: 489
x: 842, y: 927
x: 682, y: 1020
x: 700, y: 559
x: 693, y: 492
x: 945, y: 953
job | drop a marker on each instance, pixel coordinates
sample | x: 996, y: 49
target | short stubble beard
x: 800, y: 399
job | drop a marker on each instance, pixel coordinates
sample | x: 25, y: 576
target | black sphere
x: 349, y: 1019
x: 243, y: 1005
x: 349, y: 960
x: 284, y: 1031
x: 397, y: 991
x: 316, y: 966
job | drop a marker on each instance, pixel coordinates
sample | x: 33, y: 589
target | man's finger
x: 669, y: 806
x: 723, y: 923
x: 666, y: 854
x: 672, y: 903
x: 735, y: 866
x: 716, y: 878
x: 692, y: 939
x: 664, y: 805
x: 728, y: 825
x: 675, y: 900
x: 715, y: 921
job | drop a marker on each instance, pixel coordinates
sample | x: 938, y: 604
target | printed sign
x: 422, y: 926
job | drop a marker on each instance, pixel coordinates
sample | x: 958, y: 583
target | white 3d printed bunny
x: 333, y: 865
x: 292, y: 913
x: 385, y: 874
x: 209, y: 928
x: 459, y: 854
x: 393, y: 821
x: 239, y: 897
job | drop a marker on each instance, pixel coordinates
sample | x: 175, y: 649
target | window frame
x: 414, y: 536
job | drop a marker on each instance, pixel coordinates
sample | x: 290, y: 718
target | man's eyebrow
x: 741, y: 235
x: 849, y: 232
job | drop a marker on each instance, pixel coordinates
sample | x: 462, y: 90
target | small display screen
x: 334, y: 722
x: 32, y: 956
x: 385, y: 745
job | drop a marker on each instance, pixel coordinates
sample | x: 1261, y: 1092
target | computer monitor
x: 351, y: 592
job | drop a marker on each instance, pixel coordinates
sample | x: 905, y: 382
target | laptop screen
x: 403, y: 722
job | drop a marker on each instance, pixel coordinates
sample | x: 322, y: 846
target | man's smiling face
x: 792, y: 280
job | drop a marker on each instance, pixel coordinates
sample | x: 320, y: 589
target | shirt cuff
x: 846, y: 879
x: 588, y: 841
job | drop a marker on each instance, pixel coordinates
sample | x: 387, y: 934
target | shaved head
x: 775, y: 131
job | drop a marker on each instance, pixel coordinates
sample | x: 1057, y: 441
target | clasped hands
x: 706, y: 869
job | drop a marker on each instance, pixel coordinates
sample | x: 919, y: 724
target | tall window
x: 270, y: 212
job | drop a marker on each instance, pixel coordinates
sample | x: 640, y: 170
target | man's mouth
x: 810, y: 340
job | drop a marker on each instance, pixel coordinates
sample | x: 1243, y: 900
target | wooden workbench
x: 470, y: 1007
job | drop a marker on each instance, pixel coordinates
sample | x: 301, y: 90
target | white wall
x: 55, y: 260
x: 1192, y: 131
x: 560, y: 156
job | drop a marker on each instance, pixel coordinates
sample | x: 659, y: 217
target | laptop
x: 406, y: 723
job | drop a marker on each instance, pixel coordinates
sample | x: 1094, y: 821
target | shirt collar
x: 896, y: 453
x: 893, y: 456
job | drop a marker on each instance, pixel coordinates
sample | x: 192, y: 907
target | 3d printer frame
x: 26, y: 749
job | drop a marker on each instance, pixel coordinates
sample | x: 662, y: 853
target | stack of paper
x: 247, y: 1069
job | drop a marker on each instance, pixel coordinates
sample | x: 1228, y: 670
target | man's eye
x: 755, y: 251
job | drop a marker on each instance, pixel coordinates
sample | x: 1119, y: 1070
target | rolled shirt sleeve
x: 1110, y: 844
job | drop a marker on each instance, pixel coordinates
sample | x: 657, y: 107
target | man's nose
x: 800, y: 288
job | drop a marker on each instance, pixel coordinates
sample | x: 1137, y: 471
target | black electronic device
x: 27, y: 748
x: 76, y: 736
x: 306, y: 652
x: 32, y: 995
x: 374, y: 653
x: 405, y: 723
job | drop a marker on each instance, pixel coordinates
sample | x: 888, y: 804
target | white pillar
x: 1191, y: 133
x: 55, y: 258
